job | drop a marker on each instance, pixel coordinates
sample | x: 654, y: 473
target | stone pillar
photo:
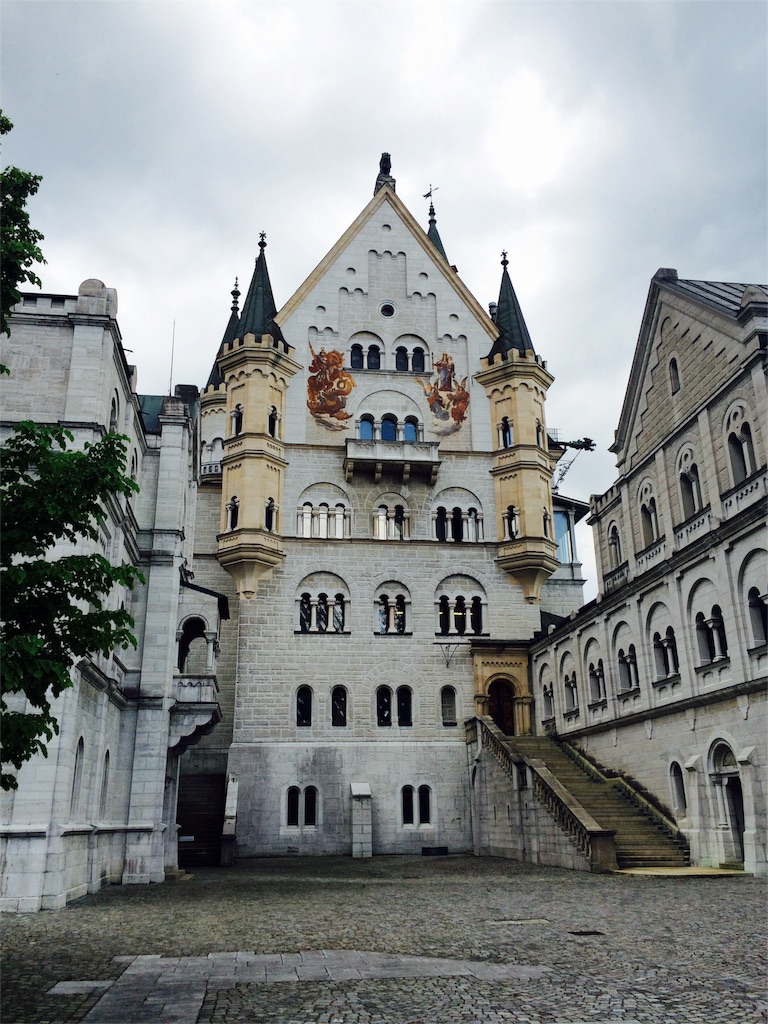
x: 362, y: 825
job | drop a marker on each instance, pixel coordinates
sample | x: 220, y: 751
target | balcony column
x: 390, y: 530
x: 377, y: 430
x: 390, y: 615
x: 313, y: 615
x: 210, y: 650
x: 714, y: 632
x: 480, y: 528
x: 452, y: 617
x: 406, y: 525
x: 434, y: 524
x: 178, y: 653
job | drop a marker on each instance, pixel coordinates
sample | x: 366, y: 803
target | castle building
x: 664, y: 675
x: 361, y: 586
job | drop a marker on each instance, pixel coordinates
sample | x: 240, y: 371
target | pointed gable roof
x: 513, y: 331
x: 731, y: 305
x: 215, y: 378
x: 259, y: 309
x: 386, y: 195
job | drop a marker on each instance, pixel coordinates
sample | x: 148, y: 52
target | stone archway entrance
x: 730, y: 802
x: 501, y: 705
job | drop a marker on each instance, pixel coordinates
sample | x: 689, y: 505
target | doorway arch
x: 729, y: 797
x: 501, y: 705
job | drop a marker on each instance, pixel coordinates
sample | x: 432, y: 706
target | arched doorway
x: 730, y: 801
x: 501, y: 705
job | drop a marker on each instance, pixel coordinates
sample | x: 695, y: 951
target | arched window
x: 356, y: 357
x: 444, y: 616
x: 374, y: 357
x: 388, y: 428
x: 270, y: 515
x: 448, y: 706
x: 338, y: 613
x: 272, y: 422
x: 411, y: 430
x: 539, y: 434
x: 338, y: 707
x: 690, y: 487
x: 400, y: 614
x: 460, y: 615
x: 677, y: 785
x: 718, y: 629
x: 741, y: 452
x: 506, y: 433
x: 425, y: 805
x: 511, y: 523
x: 441, y: 524
x: 650, y: 522
x: 417, y: 360
x: 310, y: 806
x: 304, y: 706
x: 237, y: 420
x: 571, y: 693
x: 614, y: 546
x: 104, y: 798
x: 366, y: 428
x: 404, y: 706
x: 292, y: 807
x: 549, y: 701
x: 674, y: 376
x: 710, y: 636
x: 596, y: 682
x: 457, y: 525
x: 233, y: 513
x: 401, y: 358
x: 758, y: 617
x: 476, y: 616
x: 192, y: 647
x: 322, y: 613
x: 407, y: 805
x: 114, y: 414
x: 77, y: 780
x: 305, y: 613
x: 704, y: 640
x: 670, y: 643
x: 384, y: 706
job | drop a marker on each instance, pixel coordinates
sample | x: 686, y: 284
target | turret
x: 256, y: 366
x: 213, y: 407
x: 516, y: 381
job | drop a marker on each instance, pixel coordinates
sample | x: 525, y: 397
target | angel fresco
x: 328, y: 387
x: 446, y: 396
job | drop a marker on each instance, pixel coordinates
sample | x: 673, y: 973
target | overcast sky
x: 595, y: 141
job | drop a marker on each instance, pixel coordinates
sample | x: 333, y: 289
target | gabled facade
x: 664, y: 675
x: 379, y: 453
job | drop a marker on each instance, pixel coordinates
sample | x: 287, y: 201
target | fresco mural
x: 328, y: 386
x: 446, y: 396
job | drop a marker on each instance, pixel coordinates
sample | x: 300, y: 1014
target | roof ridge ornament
x: 384, y: 176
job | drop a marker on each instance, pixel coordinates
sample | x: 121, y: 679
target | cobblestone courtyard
x: 394, y: 940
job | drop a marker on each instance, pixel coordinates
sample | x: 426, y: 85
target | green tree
x: 19, y: 243
x: 53, y: 608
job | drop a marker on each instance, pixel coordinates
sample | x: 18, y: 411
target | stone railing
x: 202, y: 689
x: 753, y: 489
x: 210, y: 469
x: 595, y: 843
x: 616, y: 577
x: 694, y: 527
x: 627, y: 791
x: 649, y: 556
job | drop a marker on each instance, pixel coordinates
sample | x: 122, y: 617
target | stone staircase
x: 643, y: 839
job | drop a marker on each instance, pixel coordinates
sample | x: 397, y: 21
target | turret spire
x: 259, y: 307
x: 513, y: 332
x: 230, y: 334
x: 433, y: 234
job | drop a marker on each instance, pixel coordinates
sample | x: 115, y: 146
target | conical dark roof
x: 433, y: 234
x: 259, y: 307
x: 513, y: 332
x: 230, y: 334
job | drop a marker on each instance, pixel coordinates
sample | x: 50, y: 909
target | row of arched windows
x: 369, y: 357
x: 456, y: 614
x: 302, y: 806
x: 389, y: 428
x: 454, y: 525
x: 392, y: 707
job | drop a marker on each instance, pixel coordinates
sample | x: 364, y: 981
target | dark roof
x: 433, y: 234
x: 259, y: 309
x: 230, y: 334
x: 513, y: 332
x: 724, y: 295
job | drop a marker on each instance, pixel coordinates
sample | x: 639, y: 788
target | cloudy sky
x: 595, y: 141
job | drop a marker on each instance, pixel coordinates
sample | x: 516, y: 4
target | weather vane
x: 428, y: 195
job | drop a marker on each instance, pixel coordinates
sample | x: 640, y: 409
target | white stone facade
x: 664, y: 675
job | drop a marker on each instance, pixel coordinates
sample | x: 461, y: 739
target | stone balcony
x: 745, y: 494
x: 196, y: 711
x: 616, y: 578
x: 696, y: 526
x: 405, y: 459
x: 651, y: 555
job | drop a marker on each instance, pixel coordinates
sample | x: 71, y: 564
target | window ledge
x: 665, y: 680
x: 571, y: 714
x: 316, y: 632
x: 626, y: 694
x: 715, y: 663
x: 759, y: 649
x: 408, y: 632
x: 595, y: 704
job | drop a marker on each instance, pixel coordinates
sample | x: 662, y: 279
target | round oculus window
x: 387, y: 309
